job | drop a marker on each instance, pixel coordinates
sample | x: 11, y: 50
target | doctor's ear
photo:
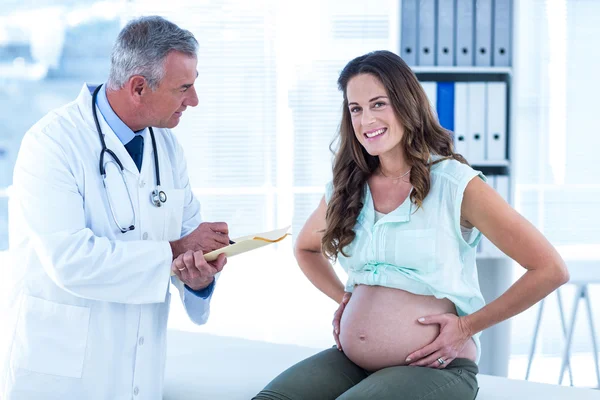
x: 137, y: 85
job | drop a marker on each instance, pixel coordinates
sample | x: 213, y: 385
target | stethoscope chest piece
x: 158, y: 197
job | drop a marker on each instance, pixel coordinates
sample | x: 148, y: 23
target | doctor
x: 102, y: 213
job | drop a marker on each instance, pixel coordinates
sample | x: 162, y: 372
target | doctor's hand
x: 193, y: 270
x: 454, y: 335
x: 208, y: 236
x: 337, y: 318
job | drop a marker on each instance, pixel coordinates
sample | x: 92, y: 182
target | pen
x: 231, y: 241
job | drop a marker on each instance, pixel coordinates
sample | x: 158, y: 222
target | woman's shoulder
x: 454, y: 170
x: 328, y: 191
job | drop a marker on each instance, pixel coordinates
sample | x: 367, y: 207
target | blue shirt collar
x: 123, y: 132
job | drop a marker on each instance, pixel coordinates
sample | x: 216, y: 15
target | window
x: 257, y: 145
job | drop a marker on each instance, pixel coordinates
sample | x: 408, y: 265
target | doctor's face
x: 164, y: 106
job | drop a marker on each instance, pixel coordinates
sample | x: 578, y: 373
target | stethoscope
x: 158, y: 197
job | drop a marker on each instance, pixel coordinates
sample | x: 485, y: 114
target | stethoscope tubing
x: 158, y: 197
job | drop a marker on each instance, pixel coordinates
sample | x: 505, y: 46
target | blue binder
x: 445, y: 104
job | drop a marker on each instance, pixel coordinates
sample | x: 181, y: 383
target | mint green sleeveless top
x: 421, y: 251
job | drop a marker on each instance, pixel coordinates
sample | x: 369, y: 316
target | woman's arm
x: 311, y: 260
x: 484, y: 208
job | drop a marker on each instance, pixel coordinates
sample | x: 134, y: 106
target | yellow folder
x: 248, y: 243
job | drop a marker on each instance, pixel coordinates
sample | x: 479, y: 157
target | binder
x: 461, y: 119
x: 426, y: 38
x: 496, y: 121
x: 483, y: 33
x: 430, y: 89
x: 465, y: 19
x: 501, y: 56
x: 445, y: 104
x: 476, y: 122
x: 409, y: 31
x: 445, y: 33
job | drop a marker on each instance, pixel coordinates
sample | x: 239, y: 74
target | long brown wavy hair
x: 352, y: 165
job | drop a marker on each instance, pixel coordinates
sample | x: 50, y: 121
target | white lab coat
x: 89, y: 304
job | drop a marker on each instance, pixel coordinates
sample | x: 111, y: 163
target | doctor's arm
x: 195, y: 301
x: 49, y: 186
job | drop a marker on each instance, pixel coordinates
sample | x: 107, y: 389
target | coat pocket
x: 173, y: 214
x: 51, y: 338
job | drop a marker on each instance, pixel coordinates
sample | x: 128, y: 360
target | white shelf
x: 462, y: 70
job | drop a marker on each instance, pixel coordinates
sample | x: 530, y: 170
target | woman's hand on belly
x: 451, y: 342
x: 337, y: 317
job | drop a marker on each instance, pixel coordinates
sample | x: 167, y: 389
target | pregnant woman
x: 403, y: 216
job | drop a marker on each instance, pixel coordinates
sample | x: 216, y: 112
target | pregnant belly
x: 379, y: 326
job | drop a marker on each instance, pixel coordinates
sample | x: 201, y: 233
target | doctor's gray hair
x: 142, y: 47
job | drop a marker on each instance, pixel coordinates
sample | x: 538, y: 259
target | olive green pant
x: 330, y: 375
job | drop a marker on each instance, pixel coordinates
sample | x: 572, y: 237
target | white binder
x: 426, y: 39
x: 461, y: 119
x: 409, y: 30
x: 483, y: 33
x: 464, y: 33
x: 496, y: 121
x: 430, y: 89
x: 445, y: 33
x: 502, y: 33
x: 476, y: 122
